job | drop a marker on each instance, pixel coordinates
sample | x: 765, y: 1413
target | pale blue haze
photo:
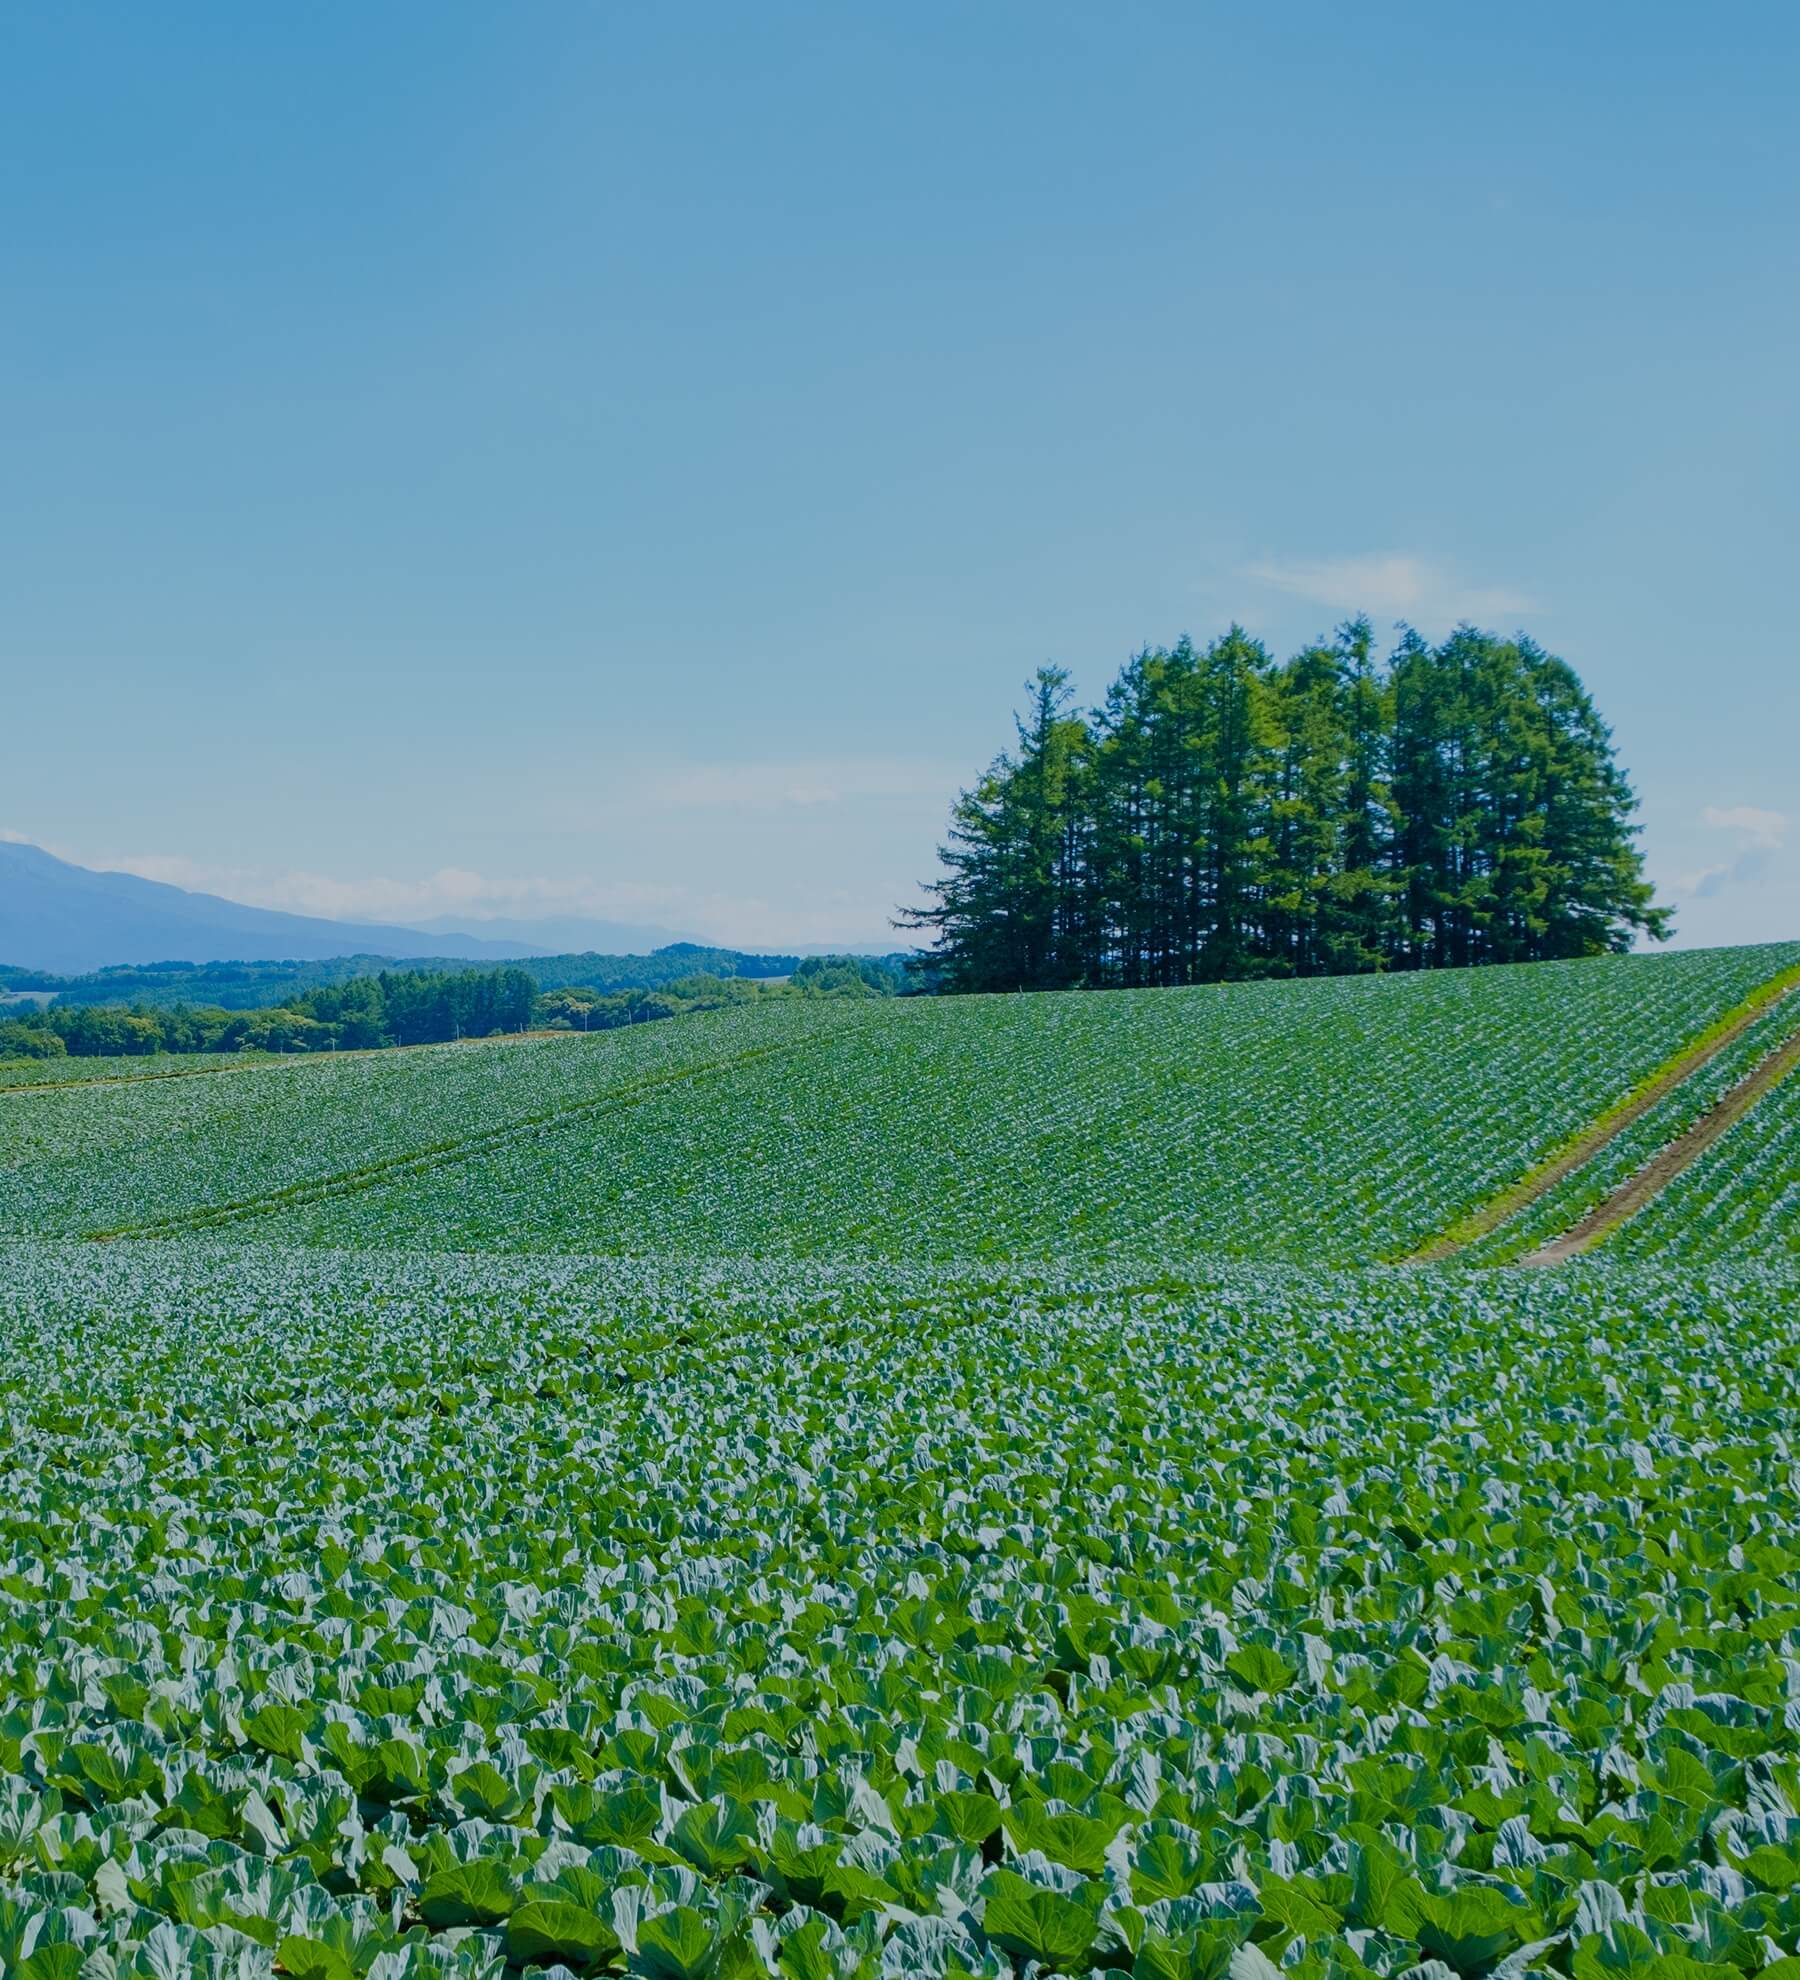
x: 623, y: 459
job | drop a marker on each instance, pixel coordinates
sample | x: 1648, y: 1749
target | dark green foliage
x: 414, y: 1007
x: 420, y: 1007
x: 224, y: 988
x: 578, y: 1008
x: 852, y: 976
x: 1224, y: 816
x: 244, y: 986
x: 409, y: 1007
x: 27, y: 1040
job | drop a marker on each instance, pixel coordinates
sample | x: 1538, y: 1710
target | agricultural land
x: 1283, y: 1478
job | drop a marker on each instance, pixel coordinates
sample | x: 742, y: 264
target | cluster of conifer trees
x: 422, y: 1007
x: 1224, y: 815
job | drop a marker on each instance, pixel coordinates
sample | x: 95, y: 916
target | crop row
x: 393, y: 1618
x: 1740, y: 1199
x: 1564, y: 1206
x: 102, y: 1157
x: 1341, y: 1120
x: 17, y: 1074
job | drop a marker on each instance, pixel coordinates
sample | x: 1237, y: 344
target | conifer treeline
x: 1222, y: 815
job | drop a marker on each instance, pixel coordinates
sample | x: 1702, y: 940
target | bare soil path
x: 1682, y: 1153
x: 1586, y: 1145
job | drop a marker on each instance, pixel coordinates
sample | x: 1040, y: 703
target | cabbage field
x: 16, y: 1073
x: 1742, y: 1196
x: 1347, y: 1120
x: 124, y: 1153
x: 1729, y: 1168
x: 944, y: 1489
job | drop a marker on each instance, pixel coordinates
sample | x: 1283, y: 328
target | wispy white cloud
x: 1761, y: 833
x: 757, y: 921
x: 749, y: 920
x: 727, y: 850
x: 777, y: 807
x: 455, y: 890
x: 1388, y: 584
x: 1763, y: 828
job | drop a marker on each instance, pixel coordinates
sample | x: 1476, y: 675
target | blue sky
x: 625, y: 458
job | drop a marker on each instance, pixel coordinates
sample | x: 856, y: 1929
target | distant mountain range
x: 69, y: 920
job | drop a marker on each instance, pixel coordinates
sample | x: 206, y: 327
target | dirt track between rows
x: 1607, y: 1129
x: 1682, y: 1153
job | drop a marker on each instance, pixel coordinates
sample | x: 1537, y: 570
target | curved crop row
x: 19, y: 1075
x: 1345, y: 1119
x: 104, y: 1157
x: 1740, y: 1199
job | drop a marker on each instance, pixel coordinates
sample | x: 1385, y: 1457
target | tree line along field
x: 993, y: 1513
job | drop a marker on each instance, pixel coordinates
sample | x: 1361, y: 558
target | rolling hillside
x: 1739, y: 1200
x: 238, y: 986
x: 1346, y: 1120
x: 961, y: 1542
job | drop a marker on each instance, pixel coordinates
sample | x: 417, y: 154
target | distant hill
x: 247, y: 986
x: 71, y: 920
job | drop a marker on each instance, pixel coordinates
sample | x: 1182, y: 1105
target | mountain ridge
x: 71, y: 920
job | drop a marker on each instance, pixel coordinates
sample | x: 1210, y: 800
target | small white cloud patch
x: 1765, y: 833
x: 1765, y: 828
x: 1388, y: 583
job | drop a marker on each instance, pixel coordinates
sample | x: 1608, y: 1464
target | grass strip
x: 1643, y: 1188
x: 1583, y: 1146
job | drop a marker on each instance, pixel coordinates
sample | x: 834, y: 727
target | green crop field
x: 122, y: 1153
x: 16, y: 1073
x: 1742, y: 1196
x: 932, y: 1488
x: 1677, y: 1111
x: 1346, y: 1120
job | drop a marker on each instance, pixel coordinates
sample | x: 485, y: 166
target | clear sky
x: 626, y: 458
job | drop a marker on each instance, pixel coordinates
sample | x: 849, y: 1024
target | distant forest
x: 416, y: 1007
x: 1223, y: 815
x: 264, y: 985
x: 404, y: 1007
